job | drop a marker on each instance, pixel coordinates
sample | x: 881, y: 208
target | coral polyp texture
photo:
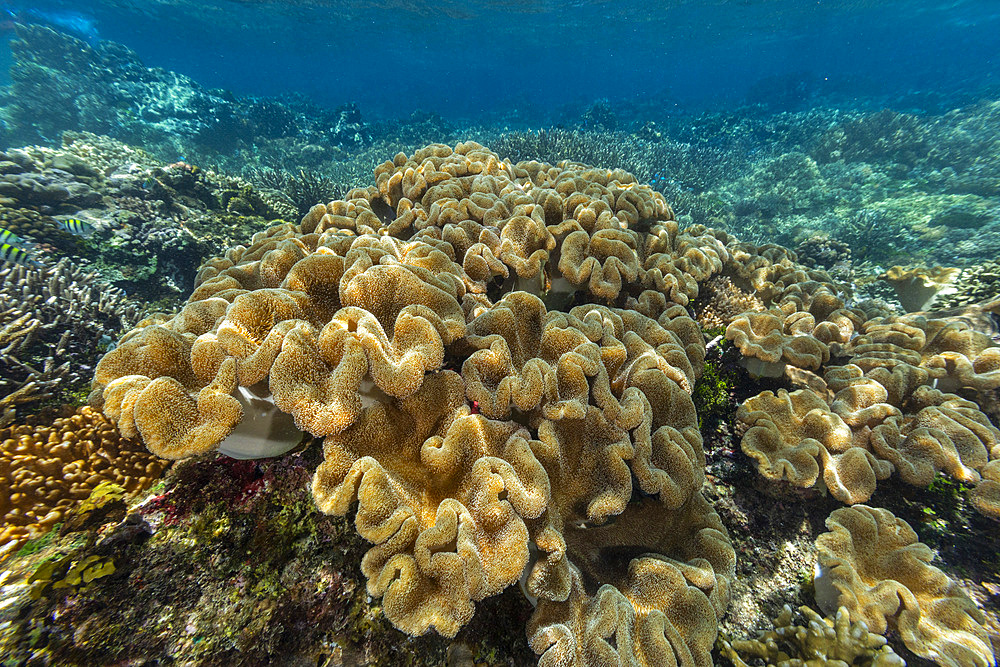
x: 872, y: 564
x: 498, y: 359
x: 45, y: 471
x: 888, y: 409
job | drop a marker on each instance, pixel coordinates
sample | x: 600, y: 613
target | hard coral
x: 582, y: 469
x: 46, y: 470
x: 834, y: 640
x: 54, y: 322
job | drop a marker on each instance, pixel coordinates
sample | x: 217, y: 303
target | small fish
x: 77, y: 227
x: 7, y: 236
x: 14, y: 255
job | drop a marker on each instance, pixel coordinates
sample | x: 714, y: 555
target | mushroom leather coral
x: 898, y: 420
x: 794, y: 436
x: 443, y: 494
x: 484, y: 432
x: 872, y: 564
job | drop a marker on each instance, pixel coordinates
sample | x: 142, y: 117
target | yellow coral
x: 872, y: 564
x: 45, y: 471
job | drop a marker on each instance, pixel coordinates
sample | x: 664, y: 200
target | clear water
x: 466, y: 59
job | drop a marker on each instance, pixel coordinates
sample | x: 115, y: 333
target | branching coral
x: 834, y: 640
x: 50, y: 316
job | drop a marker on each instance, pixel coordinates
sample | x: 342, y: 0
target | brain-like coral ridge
x: 499, y: 360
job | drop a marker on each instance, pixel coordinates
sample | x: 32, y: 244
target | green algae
x: 38, y: 544
x: 714, y: 391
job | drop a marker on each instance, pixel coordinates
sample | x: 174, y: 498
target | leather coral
x: 462, y: 336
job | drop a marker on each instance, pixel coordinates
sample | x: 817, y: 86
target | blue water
x: 470, y: 59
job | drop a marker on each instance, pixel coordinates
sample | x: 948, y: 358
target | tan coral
x: 763, y: 337
x: 834, y: 640
x: 168, y: 406
x: 946, y: 433
x: 506, y: 370
x: 872, y: 564
x: 795, y: 436
x: 660, y: 608
x: 426, y: 479
x: 861, y: 401
x: 568, y: 424
x: 603, y: 262
x: 675, y: 261
x: 986, y: 496
x: 917, y: 287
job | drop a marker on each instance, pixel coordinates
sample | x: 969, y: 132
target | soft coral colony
x: 500, y: 359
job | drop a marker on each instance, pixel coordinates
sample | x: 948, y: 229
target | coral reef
x: 355, y: 318
x: 872, y: 564
x: 561, y: 423
x: 150, y: 224
x: 61, y: 83
x: 45, y: 471
x: 261, y: 574
x: 501, y: 358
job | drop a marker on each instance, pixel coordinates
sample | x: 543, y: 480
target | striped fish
x: 77, y: 227
x: 14, y: 255
x: 7, y: 236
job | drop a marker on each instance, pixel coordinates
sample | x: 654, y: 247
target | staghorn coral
x: 45, y: 471
x: 299, y: 191
x: 974, y: 284
x: 568, y: 433
x: 816, y: 640
x: 872, y: 564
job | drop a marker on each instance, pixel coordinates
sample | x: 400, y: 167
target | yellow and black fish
x: 7, y: 236
x: 13, y: 254
x: 77, y: 227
